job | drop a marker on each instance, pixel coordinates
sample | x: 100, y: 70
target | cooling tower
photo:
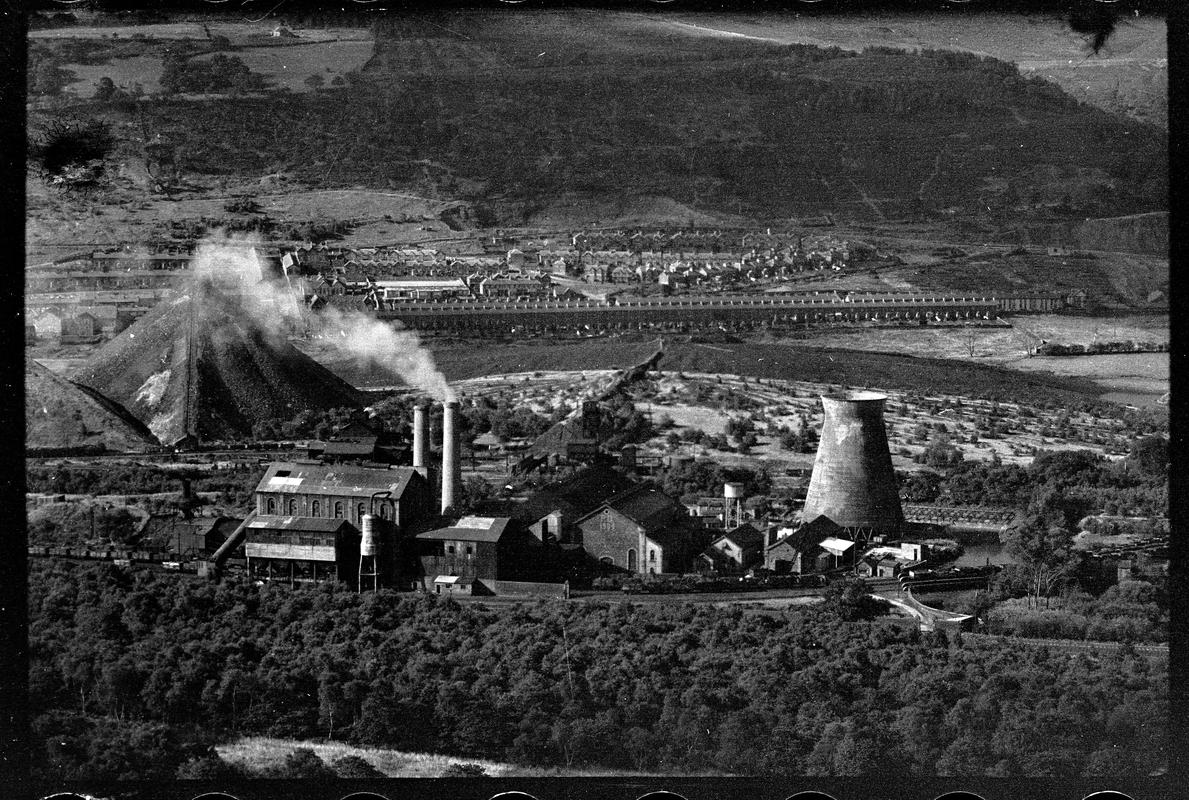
x: 853, y: 483
x: 450, y: 466
x: 420, y: 435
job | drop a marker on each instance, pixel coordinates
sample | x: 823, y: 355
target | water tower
x: 853, y: 483
x: 732, y: 512
x: 369, y: 554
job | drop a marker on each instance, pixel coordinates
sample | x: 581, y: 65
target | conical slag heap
x: 853, y: 483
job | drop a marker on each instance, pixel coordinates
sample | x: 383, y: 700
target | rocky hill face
x: 198, y: 368
x: 60, y: 414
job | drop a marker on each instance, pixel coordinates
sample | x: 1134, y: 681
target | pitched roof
x: 667, y: 536
x: 746, y: 535
x: 162, y: 529
x: 470, y: 529
x: 290, y: 477
x: 647, y: 506
x: 575, y: 497
x: 318, y: 524
x: 836, y: 546
x: 802, y: 539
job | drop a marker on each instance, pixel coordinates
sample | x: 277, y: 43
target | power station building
x: 377, y: 527
x: 310, y: 519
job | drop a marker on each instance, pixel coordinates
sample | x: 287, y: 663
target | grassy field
x: 258, y: 752
x: 1114, y: 278
x: 1004, y: 345
x: 766, y: 359
x: 760, y: 358
x: 1130, y: 378
x: 1128, y: 76
x: 287, y: 68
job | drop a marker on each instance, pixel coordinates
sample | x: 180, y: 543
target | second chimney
x: 450, y: 466
x: 420, y: 435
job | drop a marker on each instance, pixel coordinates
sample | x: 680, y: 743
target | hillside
x: 596, y: 109
x: 1129, y: 75
x: 198, y: 368
x: 60, y: 414
x: 788, y: 360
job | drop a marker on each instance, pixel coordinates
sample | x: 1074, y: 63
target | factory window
x: 450, y: 549
x: 631, y: 560
x: 315, y: 508
x: 338, y: 510
x: 651, y: 556
x: 361, y: 511
x: 384, y: 511
x: 470, y: 551
x: 605, y: 521
x: 293, y: 508
x: 271, y: 506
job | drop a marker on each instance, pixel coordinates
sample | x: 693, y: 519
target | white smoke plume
x: 233, y: 266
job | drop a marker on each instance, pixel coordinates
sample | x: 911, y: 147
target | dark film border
x: 1086, y: 17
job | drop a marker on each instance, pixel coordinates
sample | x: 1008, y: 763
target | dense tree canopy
x: 1080, y: 476
x: 126, y: 667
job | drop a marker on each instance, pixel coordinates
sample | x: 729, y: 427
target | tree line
x: 136, y: 675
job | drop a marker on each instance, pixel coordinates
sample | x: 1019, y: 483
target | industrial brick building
x: 376, y: 526
x: 737, y: 550
x: 641, y: 531
x: 310, y: 517
x: 475, y: 554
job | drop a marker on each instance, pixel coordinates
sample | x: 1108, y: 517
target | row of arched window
x: 336, y: 509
